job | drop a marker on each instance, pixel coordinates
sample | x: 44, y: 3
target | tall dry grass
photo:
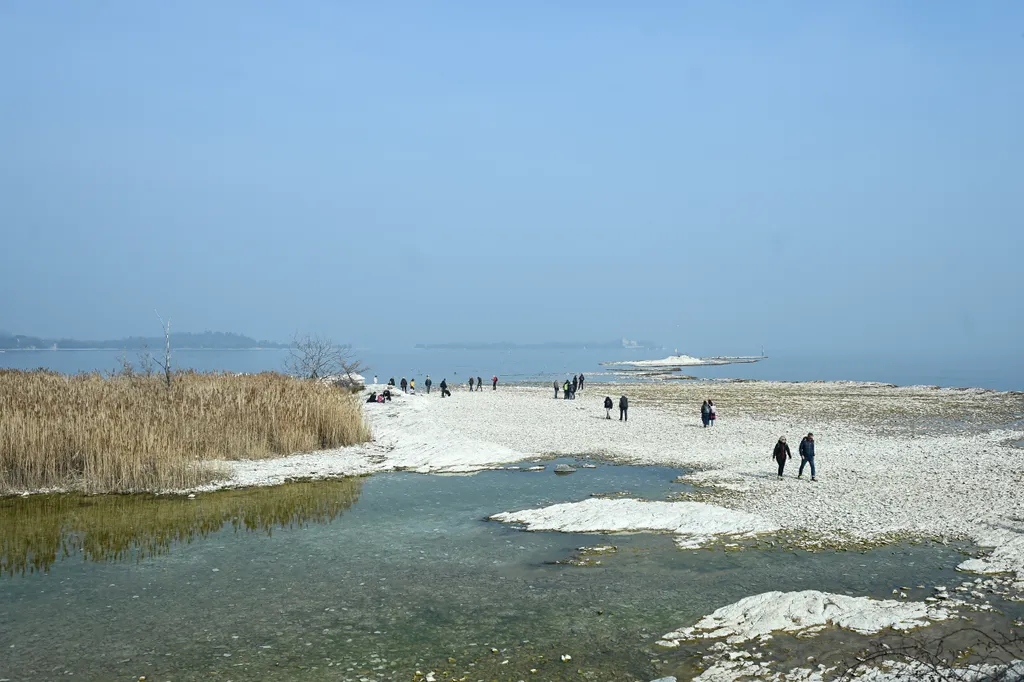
x: 130, y: 433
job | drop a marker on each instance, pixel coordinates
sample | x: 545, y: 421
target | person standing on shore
x: 705, y: 413
x: 412, y: 385
x: 427, y: 383
x: 405, y: 385
x: 807, y: 456
x: 444, y: 387
x: 494, y: 382
x: 607, y: 407
x: 471, y: 384
x: 780, y: 453
x: 565, y: 389
x: 623, y: 409
x: 712, y: 412
x: 391, y: 381
x: 374, y: 379
x: 575, y: 384
x: 555, y: 382
x: 581, y: 381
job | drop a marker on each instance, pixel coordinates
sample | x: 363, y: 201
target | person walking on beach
x: 705, y: 413
x: 471, y: 384
x: 807, y: 456
x: 607, y: 407
x: 405, y: 385
x: 444, y: 388
x: 555, y: 383
x: 623, y: 409
x: 565, y: 389
x: 712, y: 412
x: 575, y: 384
x: 479, y: 384
x: 780, y: 453
x: 412, y: 386
x: 427, y: 382
x: 581, y: 381
x: 494, y: 382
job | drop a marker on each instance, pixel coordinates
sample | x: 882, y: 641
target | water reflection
x: 38, y: 531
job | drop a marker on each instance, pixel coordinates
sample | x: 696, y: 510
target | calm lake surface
x: 981, y: 371
x: 377, y: 577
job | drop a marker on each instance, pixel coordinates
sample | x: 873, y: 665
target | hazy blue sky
x: 712, y: 175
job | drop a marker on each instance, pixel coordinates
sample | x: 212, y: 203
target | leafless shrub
x: 963, y: 655
x: 315, y: 357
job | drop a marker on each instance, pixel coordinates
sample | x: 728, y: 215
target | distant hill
x: 179, y: 341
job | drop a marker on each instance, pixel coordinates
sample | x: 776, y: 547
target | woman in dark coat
x: 781, y: 453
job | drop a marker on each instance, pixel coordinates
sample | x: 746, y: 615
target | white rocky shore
x: 694, y: 523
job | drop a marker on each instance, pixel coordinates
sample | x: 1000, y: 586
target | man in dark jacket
x: 807, y: 456
x: 405, y: 385
x: 780, y: 453
x: 623, y: 409
x: 581, y: 381
x: 471, y: 384
x: 479, y: 384
x: 444, y: 388
x: 427, y: 383
x: 575, y: 384
x: 607, y: 407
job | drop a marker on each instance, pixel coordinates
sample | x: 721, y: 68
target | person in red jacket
x: 494, y: 383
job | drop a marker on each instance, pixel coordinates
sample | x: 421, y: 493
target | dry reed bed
x: 131, y: 433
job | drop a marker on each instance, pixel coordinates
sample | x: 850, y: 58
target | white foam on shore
x: 695, y: 522
x: 804, y: 613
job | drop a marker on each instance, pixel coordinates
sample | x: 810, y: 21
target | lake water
x: 378, y: 577
x: 983, y: 370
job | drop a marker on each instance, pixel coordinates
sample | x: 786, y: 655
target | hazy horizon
x: 715, y: 178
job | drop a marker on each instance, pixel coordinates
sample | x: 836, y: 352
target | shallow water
x: 376, y: 578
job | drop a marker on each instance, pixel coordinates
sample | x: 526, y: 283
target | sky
x: 716, y: 177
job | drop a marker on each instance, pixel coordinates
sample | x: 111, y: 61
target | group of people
x: 409, y: 386
x: 480, y: 384
x: 781, y: 454
x: 708, y: 413
x: 569, y: 388
x: 623, y: 408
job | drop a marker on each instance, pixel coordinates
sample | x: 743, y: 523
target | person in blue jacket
x: 807, y: 456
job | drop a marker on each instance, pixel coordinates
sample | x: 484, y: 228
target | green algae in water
x: 407, y: 578
x: 41, y: 530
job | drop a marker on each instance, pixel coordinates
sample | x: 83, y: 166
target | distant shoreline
x: 121, y: 350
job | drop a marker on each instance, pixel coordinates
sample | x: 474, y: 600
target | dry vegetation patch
x: 131, y: 433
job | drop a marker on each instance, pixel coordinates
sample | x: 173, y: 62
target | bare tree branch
x: 315, y: 357
x: 166, y: 364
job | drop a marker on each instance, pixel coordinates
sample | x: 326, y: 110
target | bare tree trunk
x: 166, y: 364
